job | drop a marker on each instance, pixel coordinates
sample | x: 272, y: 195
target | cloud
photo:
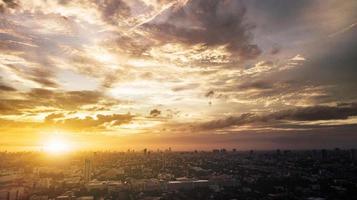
x: 183, y: 52
x: 99, y: 122
x: 113, y: 10
x: 13, y: 106
x: 209, y: 93
x: 313, y: 113
x: 59, y: 100
x: 185, y: 87
x: 208, y: 22
x: 65, y: 100
x: 155, y: 113
x: 275, y: 50
x: 8, y: 4
x: 281, y: 11
x: 260, y: 85
x: 342, y: 111
x: 28, y: 54
x: 53, y: 116
x: 42, y: 76
x: 5, y: 124
x: 59, y: 121
x: 7, y: 88
x: 227, y: 122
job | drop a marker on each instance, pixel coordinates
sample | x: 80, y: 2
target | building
x: 87, y: 170
x: 12, y: 193
x: 324, y: 154
x: 353, y: 154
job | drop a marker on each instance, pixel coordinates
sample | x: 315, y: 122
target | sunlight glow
x: 57, y: 145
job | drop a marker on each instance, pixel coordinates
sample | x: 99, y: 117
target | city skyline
x: 114, y: 75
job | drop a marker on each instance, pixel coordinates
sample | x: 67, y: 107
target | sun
x: 57, y: 145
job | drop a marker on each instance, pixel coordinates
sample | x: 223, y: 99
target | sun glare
x: 57, y: 146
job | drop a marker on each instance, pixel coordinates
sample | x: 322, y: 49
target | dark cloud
x: 275, y: 50
x: 227, y: 122
x: 42, y: 76
x: 209, y: 93
x: 8, y: 4
x: 334, y: 60
x: 63, y: 100
x: 113, y: 10
x: 342, y: 111
x: 260, y: 85
x: 209, y: 22
x: 331, y: 63
x: 6, y: 88
x: 14, y: 106
x: 134, y: 45
x: 155, y: 113
x: 281, y: 11
x: 314, y: 113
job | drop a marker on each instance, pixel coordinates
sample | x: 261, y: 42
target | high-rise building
x: 353, y: 154
x: 87, y: 170
x: 12, y: 193
x: 324, y: 154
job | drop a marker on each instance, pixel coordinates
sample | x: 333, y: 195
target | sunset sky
x: 186, y: 74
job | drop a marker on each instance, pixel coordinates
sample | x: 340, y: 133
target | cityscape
x: 178, y: 99
x: 170, y: 175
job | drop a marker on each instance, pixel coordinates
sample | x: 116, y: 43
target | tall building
x: 12, y: 193
x: 87, y: 170
x: 353, y: 154
x: 324, y: 154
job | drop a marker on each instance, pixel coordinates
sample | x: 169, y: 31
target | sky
x: 185, y: 74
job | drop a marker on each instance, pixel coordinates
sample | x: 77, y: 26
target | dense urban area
x: 169, y: 175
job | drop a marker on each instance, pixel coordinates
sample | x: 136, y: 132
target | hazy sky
x: 190, y: 74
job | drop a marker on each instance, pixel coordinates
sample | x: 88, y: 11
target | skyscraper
x: 324, y: 154
x: 87, y: 170
x: 353, y: 155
